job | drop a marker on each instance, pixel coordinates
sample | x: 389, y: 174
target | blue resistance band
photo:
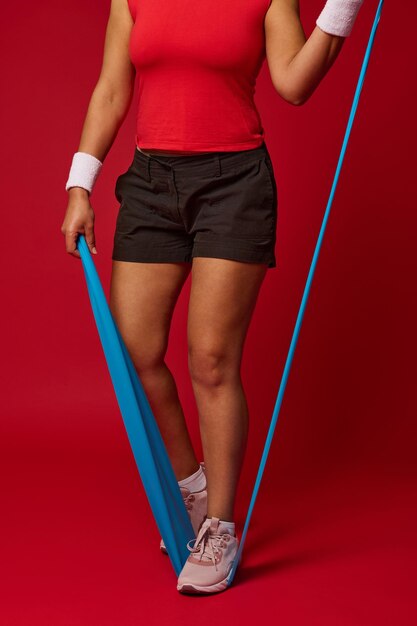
x: 305, y: 298
x: 149, y: 451
x: 152, y: 461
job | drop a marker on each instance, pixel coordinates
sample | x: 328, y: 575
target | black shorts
x: 217, y: 204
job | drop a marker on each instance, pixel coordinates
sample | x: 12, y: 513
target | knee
x: 148, y: 357
x: 210, y: 366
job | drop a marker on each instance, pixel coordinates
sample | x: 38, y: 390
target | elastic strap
x: 304, y: 299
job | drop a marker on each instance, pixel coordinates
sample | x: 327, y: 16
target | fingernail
x: 94, y: 250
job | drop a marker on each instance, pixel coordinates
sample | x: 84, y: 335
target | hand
x: 79, y: 218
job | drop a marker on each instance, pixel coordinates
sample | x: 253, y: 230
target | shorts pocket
x: 269, y: 174
x: 117, y: 187
x: 267, y: 166
x: 242, y: 204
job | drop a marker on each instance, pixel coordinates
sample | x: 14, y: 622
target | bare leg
x: 222, y: 299
x: 142, y: 301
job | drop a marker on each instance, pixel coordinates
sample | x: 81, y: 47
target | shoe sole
x: 217, y: 587
x: 195, y: 589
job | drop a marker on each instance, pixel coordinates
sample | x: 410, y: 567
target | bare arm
x: 113, y: 92
x: 107, y: 109
x: 296, y: 64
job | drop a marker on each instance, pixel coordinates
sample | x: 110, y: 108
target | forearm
x: 297, y: 65
x: 105, y: 114
x: 311, y: 63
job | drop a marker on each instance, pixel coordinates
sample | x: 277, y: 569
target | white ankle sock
x: 229, y: 525
x: 195, y: 482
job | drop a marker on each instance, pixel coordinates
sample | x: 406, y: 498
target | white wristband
x: 338, y: 16
x: 84, y: 171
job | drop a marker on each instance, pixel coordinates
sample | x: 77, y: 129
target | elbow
x: 296, y: 99
x: 297, y: 102
x: 293, y: 97
x: 117, y: 96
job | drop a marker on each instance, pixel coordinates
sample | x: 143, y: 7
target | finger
x: 71, y: 243
x: 90, y: 238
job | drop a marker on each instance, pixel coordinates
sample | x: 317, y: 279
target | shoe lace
x: 209, y: 545
x: 188, y: 500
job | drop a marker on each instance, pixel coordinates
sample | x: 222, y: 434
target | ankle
x: 194, y: 482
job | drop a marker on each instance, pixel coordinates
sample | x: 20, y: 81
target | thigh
x: 142, y: 300
x: 222, y: 299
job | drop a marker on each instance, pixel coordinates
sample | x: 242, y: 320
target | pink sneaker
x: 196, y: 505
x: 210, y: 561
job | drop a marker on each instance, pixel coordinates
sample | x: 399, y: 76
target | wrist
x: 338, y: 17
x: 84, y: 171
x: 78, y: 191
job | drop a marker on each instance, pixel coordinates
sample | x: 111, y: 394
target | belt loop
x: 148, y: 169
x: 217, y: 166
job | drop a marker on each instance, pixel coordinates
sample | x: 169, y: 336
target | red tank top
x: 197, y: 62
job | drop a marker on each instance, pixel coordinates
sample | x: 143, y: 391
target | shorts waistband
x: 213, y: 163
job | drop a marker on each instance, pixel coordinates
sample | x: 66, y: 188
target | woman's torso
x: 197, y: 65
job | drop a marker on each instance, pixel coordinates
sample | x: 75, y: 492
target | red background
x: 332, y: 539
